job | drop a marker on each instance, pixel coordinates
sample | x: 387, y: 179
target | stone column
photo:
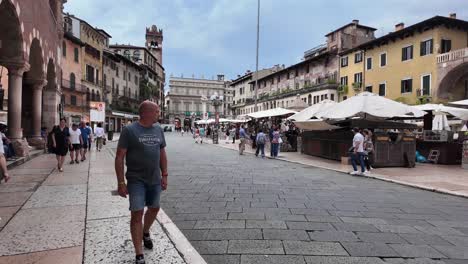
x: 36, y: 139
x: 15, y: 88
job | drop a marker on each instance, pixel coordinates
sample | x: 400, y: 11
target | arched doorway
x: 13, y: 63
x: 52, y: 105
x: 33, y: 82
x: 454, y: 86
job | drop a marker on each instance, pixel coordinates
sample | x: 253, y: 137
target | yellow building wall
x: 349, y: 71
x: 93, y: 39
x: 396, y: 70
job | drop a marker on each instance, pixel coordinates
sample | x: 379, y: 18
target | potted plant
x: 343, y: 89
x: 357, y: 86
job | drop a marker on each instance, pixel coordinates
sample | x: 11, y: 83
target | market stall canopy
x: 315, y: 125
x: 272, y: 112
x: 460, y: 103
x: 454, y: 111
x: 370, y: 106
x: 312, y: 111
x: 440, y: 121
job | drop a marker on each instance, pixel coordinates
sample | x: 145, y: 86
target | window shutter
x: 410, y: 85
x: 402, y: 86
x: 411, y: 52
x: 449, y: 45
x: 403, y: 55
x: 432, y: 46
x: 422, y: 51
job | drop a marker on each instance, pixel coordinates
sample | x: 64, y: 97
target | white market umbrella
x: 440, y: 121
x: 369, y: 105
x: 271, y: 112
x: 312, y: 111
x: 454, y: 111
x: 460, y: 103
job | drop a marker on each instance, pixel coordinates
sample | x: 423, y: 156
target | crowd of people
x: 77, y: 141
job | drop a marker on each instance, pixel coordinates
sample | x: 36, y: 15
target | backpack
x: 261, y: 139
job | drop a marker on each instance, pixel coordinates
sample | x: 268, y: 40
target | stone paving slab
x: 63, y: 195
x: 255, y: 247
x: 360, y: 249
x: 342, y: 260
x: 314, y: 248
x: 109, y: 241
x: 271, y: 259
x: 72, y: 255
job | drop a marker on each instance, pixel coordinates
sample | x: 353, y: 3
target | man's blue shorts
x: 141, y: 195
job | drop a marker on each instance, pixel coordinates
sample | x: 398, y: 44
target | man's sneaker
x: 366, y: 173
x: 147, y: 241
x: 354, y: 173
x: 140, y: 259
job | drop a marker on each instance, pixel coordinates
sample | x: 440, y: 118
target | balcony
x: 455, y: 55
x: 93, y: 83
x: 75, y: 87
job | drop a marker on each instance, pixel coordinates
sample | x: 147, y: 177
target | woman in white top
x: 76, y: 140
x: 99, y: 133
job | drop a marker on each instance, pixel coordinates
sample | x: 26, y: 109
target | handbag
x: 280, y: 140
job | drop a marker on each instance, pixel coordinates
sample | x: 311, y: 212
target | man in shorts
x: 85, y: 135
x: 142, y: 145
x: 90, y: 139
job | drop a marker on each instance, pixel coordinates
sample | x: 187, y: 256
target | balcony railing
x: 78, y: 87
x: 453, y: 55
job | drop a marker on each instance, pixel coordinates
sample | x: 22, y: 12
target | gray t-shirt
x: 143, y: 147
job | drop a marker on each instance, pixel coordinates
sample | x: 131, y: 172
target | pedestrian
x: 357, y: 154
x: 182, y: 131
x: 242, y: 138
x: 275, y: 142
x: 270, y: 136
x: 368, y: 150
x: 142, y: 145
x: 85, y: 135
x: 75, y: 144
x: 99, y: 132
x: 260, y: 140
x: 3, y: 165
x: 90, y: 139
x: 233, y: 134
x: 253, y: 138
x: 60, y: 141
x: 202, y: 134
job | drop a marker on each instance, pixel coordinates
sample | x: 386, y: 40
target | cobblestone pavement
x: 243, y: 209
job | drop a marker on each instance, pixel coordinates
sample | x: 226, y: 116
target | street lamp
x: 216, y: 101
x: 256, y: 64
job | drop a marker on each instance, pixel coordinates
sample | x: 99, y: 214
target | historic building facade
x: 188, y: 99
x: 425, y: 62
x: 31, y: 34
x: 75, y: 106
x: 308, y: 82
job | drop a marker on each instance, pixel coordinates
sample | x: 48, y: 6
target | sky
x: 209, y: 37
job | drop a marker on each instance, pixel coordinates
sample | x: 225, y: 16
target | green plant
x: 357, y: 86
x: 401, y: 100
x: 147, y: 90
x: 343, y: 89
x: 331, y: 81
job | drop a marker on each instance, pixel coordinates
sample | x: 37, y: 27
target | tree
x: 147, y: 90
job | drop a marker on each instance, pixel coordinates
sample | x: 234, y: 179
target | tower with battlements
x: 154, y: 39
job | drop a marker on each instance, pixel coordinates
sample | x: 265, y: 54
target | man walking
x: 90, y: 138
x: 85, y: 134
x: 142, y: 145
x: 260, y: 140
x: 358, y: 151
x: 242, y: 137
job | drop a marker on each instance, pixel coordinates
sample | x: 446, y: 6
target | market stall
x: 331, y: 137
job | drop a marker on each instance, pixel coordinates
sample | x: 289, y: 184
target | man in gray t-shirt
x: 142, y: 145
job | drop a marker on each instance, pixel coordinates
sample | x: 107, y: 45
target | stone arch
x: 11, y: 50
x: 36, y: 62
x: 454, y: 85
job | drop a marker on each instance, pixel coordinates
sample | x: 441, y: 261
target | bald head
x: 149, y: 112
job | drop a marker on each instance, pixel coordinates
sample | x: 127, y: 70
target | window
x: 344, y: 80
x: 407, y: 53
x: 322, y: 97
x: 89, y: 73
x: 97, y: 76
x: 383, y: 59
x: 382, y: 89
x: 296, y: 86
x: 64, y: 49
x: 296, y: 73
x: 309, y: 100
x: 426, y: 47
x: 287, y: 77
x: 124, y: 75
x: 136, y: 80
x: 113, y: 85
x: 369, y: 64
x: 407, y: 86
x: 308, y: 69
x: 279, y: 78
x: 369, y: 88
x: 129, y: 76
x: 77, y: 55
x: 358, y: 79
x: 72, y: 80
x: 344, y: 61
x: 445, y: 45
x: 426, y: 84
x: 332, y: 97
x: 73, y: 100
x: 358, y: 57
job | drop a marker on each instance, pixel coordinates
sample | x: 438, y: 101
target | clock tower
x: 154, y: 39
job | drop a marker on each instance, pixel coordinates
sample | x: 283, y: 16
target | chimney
x: 355, y: 21
x: 399, y: 26
x: 453, y: 15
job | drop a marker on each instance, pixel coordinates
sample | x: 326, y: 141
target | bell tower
x: 154, y: 39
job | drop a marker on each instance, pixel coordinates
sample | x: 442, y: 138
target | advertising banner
x: 97, y: 111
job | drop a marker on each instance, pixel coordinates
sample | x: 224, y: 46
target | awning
x: 460, y: 103
x: 454, y: 111
x: 370, y: 106
x: 272, y: 112
x: 125, y: 115
x: 315, y: 125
